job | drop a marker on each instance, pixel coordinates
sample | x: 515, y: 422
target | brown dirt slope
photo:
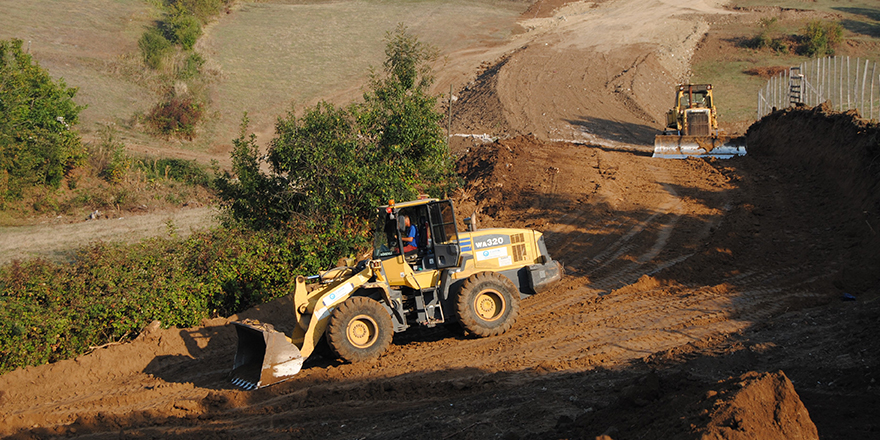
x: 590, y: 71
x: 838, y: 153
x: 681, y: 274
x: 691, y: 284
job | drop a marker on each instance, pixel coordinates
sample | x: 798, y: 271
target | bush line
x: 51, y: 311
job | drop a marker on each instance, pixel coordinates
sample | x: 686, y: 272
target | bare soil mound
x: 838, y: 153
x: 749, y: 406
x: 687, y: 282
x: 757, y: 406
x: 690, y: 284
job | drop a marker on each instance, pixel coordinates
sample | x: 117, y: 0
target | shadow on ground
x: 616, y: 130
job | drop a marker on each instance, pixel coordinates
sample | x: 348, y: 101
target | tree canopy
x: 333, y: 165
x: 38, y: 144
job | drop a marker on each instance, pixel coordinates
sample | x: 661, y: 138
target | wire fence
x: 844, y: 82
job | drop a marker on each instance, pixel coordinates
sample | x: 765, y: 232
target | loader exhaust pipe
x: 263, y: 356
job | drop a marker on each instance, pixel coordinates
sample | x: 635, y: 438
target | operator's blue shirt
x: 414, y: 233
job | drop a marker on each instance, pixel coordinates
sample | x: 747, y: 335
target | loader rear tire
x: 487, y: 304
x: 359, y: 329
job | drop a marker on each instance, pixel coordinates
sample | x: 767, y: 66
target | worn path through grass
x: 59, y: 242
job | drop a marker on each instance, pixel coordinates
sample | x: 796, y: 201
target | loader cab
x: 436, y: 236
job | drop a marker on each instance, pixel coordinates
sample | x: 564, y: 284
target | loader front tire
x: 487, y: 304
x: 359, y: 329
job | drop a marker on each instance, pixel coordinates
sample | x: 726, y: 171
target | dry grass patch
x: 274, y: 55
x: 92, y: 44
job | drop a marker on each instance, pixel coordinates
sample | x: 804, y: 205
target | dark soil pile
x: 749, y: 406
x: 839, y: 152
x: 841, y: 148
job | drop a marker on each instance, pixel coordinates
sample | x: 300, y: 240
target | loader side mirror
x: 401, y: 223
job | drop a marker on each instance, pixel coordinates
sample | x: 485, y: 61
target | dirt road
x: 56, y: 241
x: 702, y: 297
x: 591, y: 71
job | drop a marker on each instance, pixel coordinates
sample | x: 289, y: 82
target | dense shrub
x: 176, y: 117
x: 38, y: 144
x: 107, y: 157
x: 181, y: 170
x: 770, y: 38
x: 201, y: 9
x: 190, y: 66
x: 181, y: 24
x: 154, y: 47
x: 818, y: 38
x: 821, y: 38
x: 52, y: 311
x: 181, y: 27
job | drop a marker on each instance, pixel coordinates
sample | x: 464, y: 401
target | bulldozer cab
x: 694, y: 96
x: 436, y: 239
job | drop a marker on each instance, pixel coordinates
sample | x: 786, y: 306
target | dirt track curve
x: 702, y: 297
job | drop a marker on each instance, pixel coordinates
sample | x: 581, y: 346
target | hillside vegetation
x: 742, y: 51
x: 300, y: 218
x: 303, y: 52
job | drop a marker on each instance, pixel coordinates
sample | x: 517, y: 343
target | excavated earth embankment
x: 702, y: 298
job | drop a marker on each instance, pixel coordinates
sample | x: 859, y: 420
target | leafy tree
x: 38, y: 144
x: 402, y: 114
x: 253, y: 198
x: 333, y: 165
x: 821, y: 38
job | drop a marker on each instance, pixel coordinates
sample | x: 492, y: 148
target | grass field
x: 270, y: 55
x: 275, y: 55
x: 725, y: 66
x: 88, y: 43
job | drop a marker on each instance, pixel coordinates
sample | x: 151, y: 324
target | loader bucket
x: 263, y: 356
x: 682, y: 147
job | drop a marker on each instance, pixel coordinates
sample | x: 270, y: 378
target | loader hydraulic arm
x: 313, y: 308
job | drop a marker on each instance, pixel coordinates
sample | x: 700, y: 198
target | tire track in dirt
x: 592, y: 267
x: 660, y: 323
x: 555, y: 319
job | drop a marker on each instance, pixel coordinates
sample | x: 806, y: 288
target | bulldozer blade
x: 263, y: 356
x: 682, y: 147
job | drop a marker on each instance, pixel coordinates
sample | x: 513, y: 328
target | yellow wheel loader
x: 423, y: 272
x: 692, y: 128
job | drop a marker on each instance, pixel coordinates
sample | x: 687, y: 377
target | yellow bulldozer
x: 423, y: 272
x: 692, y: 128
